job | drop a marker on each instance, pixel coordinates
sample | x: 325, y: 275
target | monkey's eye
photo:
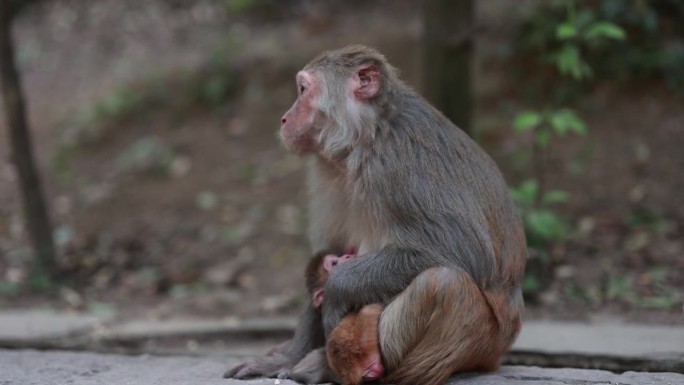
x: 301, y: 89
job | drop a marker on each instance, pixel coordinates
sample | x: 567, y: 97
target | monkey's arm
x: 308, y: 336
x: 371, y: 278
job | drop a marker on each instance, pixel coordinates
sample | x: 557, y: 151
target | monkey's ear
x: 367, y: 81
x: 329, y: 261
x: 317, y: 298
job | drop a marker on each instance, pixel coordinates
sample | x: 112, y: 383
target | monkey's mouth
x: 298, y: 144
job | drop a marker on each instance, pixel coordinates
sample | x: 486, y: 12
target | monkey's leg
x: 314, y: 369
x: 308, y: 336
x: 439, y: 325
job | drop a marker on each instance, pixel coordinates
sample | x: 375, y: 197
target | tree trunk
x: 35, y: 212
x: 448, y: 29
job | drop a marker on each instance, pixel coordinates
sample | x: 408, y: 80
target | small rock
x: 180, y: 166
x: 63, y: 205
x: 247, y: 281
x: 207, y: 200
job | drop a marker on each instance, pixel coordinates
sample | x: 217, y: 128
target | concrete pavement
x: 608, y: 344
x: 28, y: 367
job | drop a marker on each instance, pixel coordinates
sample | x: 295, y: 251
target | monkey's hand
x: 273, y: 366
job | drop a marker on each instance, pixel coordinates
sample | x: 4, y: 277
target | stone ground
x: 28, y: 367
x: 36, y: 344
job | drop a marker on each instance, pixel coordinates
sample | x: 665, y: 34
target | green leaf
x: 583, y: 71
x: 543, y: 138
x: 240, y: 5
x: 531, y: 283
x: 572, y: 290
x: 207, y: 200
x: 566, y: 31
x: 146, y: 153
x: 567, y: 58
x: 41, y: 282
x: 637, y: 241
x: 526, y: 193
x: 555, y: 196
x: 569, y: 62
x: 666, y: 302
x: 526, y: 121
x: 593, y: 294
x: 217, y: 88
x: 546, y: 224
x: 619, y: 288
x: 9, y: 289
x: 605, y: 29
x: 566, y: 120
x: 101, y: 308
x: 659, y: 273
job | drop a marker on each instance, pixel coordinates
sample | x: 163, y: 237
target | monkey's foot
x: 276, y: 366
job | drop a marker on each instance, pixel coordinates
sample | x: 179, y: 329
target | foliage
x: 574, y: 42
x: 653, y: 292
x: 578, y: 32
x: 543, y: 226
x: 258, y: 9
x: 148, y: 153
x: 541, y: 222
x: 545, y: 124
x: 210, y: 87
x: 572, y: 36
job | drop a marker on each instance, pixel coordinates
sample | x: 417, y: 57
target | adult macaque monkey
x: 439, y: 242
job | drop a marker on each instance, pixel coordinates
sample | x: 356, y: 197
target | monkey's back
x: 441, y: 194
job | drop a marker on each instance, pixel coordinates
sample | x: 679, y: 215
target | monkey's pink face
x: 332, y: 260
x: 298, y: 126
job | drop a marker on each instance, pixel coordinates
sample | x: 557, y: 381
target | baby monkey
x: 352, y: 349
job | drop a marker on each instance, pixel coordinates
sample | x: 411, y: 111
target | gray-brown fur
x: 425, y: 338
x: 413, y: 192
x: 314, y: 369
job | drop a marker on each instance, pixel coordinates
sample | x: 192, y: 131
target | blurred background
x: 154, y: 127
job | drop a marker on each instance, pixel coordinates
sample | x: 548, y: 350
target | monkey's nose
x: 283, y: 120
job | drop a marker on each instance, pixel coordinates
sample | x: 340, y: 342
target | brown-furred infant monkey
x: 352, y: 349
x: 317, y: 271
x: 440, y: 244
